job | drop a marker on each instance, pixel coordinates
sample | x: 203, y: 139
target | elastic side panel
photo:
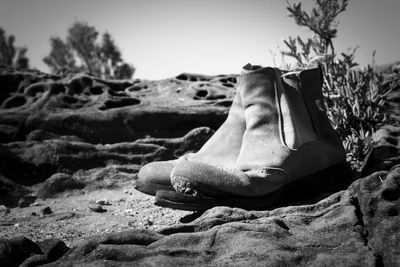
x: 297, y: 125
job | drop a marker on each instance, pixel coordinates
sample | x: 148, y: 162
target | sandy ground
x: 72, y: 219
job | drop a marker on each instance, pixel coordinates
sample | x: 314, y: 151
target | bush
x: 355, y: 97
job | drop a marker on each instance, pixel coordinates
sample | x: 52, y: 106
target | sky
x: 163, y: 38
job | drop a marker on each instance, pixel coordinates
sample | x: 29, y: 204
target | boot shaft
x: 276, y: 102
x: 286, y: 125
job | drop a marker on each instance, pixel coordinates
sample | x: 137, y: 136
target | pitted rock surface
x: 69, y: 141
x: 109, y: 111
x: 355, y: 227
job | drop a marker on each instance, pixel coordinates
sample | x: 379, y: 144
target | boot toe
x: 201, y: 179
x: 155, y: 176
x: 198, y: 178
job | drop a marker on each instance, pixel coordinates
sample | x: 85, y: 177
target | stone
x: 23, y: 203
x: 70, y: 132
x: 358, y: 226
x: 46, y: 211
x: 96, y: 207
x: 4, y: 209
x: 103, y: 202
x: 385, y: 152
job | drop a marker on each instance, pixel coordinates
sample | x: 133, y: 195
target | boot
x: 288, y: 137
x: 221, y: 150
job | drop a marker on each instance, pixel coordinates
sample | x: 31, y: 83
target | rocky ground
x: 70, y: 150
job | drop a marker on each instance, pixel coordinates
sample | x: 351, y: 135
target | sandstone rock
x: 35, y: 260
x: 102, y: 111
x: 31, y: 162
x: 15, y: 250
x: 11, y: 192
x: 355, y: 227
x: 57, y: 183
x: 53, y: 248
x: 80, y: 130
x: 385, y: 151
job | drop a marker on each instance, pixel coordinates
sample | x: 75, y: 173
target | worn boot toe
x: 201, y: 179
x: 155, y: 176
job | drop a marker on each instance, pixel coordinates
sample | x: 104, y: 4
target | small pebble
x: 103, y: 202
x: 4, y: 209
x: 126, y: 191
x: 16, y: 225
x: 46, y: 211
x: 96, y: 207
x: 23, y: 203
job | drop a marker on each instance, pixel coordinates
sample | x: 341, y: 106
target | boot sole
x: 152, y: 188
x: 304, y: 189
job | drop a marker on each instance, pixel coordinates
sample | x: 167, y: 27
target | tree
x: 82, y: 51
x: 9, y: 54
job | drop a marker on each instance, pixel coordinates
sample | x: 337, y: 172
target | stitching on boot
x: 281, y: 172
x: 255, y: 71
x: 269, y: 170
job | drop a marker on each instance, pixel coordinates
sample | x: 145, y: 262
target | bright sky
x: 163, y: 38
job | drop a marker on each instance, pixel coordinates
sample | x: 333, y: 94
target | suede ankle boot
x: 221, y: 150
x: 288, y: 137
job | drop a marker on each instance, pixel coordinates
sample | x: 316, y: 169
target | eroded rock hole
x: 215, y: 97
x: 134, y: 88
x: 96, y: 90
x: 56, y: 89
x: 109, y: 104
x: 224, y: 103
x: 69, y: 99
x: 35, y: 89
x: 228, y: 85
x: 182, y: 77
x: 392, y: 212
x: 200, y: 94
x: 77, y: 85
x: 15, y: 101
x: 390, y: 195
x: 232, y: 79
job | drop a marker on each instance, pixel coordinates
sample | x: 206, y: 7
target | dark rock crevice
x: 360, y: 225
